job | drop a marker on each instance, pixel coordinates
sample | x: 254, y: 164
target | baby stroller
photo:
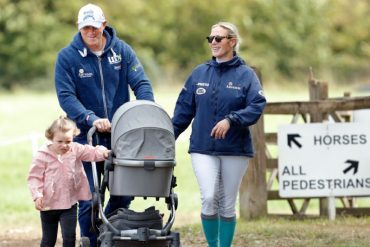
x: 141, y: 165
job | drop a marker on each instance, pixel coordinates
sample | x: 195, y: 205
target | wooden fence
x: 257, y: 185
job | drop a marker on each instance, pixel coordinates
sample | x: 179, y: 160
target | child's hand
x: 39, y: 203
x: 106, y: 154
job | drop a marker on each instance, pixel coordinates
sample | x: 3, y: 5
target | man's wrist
x: 228, y: 119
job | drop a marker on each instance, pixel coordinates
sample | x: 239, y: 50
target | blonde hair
x: 233, y: 32
x: 62, y: 124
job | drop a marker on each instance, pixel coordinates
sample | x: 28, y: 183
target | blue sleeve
x: 255, y: 102
x: 137, y: 78
x: 66, y: 92
x: 185, y: 109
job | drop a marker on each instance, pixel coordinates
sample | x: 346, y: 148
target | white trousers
x: 219, y: 179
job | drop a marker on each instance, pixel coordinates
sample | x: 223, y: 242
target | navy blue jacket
x: 215, y: 91
x: 91, y: 87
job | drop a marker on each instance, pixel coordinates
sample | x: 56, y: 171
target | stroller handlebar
x: 90, y: 134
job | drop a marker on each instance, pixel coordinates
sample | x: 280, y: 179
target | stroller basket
x: 141, y: 178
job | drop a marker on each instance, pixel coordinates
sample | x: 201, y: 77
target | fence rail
x: 32, y: 137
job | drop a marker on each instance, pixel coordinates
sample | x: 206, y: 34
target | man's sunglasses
x: 217, y: 38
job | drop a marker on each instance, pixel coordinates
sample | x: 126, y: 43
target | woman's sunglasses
x: 217, y: 38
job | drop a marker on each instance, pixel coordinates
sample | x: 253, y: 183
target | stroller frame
x: 142, y: 235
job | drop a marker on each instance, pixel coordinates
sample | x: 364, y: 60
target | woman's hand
x: 220, y: 130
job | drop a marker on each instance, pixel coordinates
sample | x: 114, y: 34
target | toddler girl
x: 57, y: 180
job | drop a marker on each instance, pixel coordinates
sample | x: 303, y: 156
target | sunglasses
x: 217, y: 38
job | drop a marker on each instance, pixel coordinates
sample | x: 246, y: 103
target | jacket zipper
x: 103, y: 88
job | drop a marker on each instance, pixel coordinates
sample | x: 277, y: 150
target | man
x: 92, y: 79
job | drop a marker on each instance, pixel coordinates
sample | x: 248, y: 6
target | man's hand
x: 220, y: 130
x: 102, y: 125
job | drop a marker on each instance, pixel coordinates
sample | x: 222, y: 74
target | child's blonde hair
x: 62, y: 124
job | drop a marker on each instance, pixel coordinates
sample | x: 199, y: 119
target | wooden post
x: 331, y: 207
x: 319, y: 91
x: 253, y: 189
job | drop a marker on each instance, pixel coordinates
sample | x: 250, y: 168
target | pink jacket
x: 61, y: 180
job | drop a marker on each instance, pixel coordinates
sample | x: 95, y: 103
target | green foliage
x: 287, y: 36
x: 281, y: 37
x: 30, y: 34
x: 350, y: 34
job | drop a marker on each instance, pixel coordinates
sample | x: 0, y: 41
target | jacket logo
x: 200, y: 91
x: 115, y: 59
x: 231, y: 86
x: 202, y: 84
x: 136, y: 67
x: 82, y: 74
x: 83, y: 53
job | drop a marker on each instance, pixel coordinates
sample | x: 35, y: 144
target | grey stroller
x: 141, y: 165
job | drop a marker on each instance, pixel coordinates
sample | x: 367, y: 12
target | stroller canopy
x: 142, y: 130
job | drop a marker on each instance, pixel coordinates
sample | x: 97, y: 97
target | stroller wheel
x: 176, y: 239
x: 84, y: 242
x: 175, y: 245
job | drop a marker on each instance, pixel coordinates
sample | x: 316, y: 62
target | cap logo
x: 89, y: 14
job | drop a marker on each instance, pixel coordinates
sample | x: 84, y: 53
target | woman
x: 223, y: 97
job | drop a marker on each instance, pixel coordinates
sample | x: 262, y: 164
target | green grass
x: 284, y: 232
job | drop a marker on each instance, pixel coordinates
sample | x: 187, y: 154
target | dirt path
x: 29, y: 236
x: 22, y: 237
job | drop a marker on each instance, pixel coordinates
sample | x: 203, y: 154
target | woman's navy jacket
x: 215, y: 91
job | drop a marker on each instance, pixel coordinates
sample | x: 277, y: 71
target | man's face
x: 93, y: 37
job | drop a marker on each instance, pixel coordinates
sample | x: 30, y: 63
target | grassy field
x: 24, y: 116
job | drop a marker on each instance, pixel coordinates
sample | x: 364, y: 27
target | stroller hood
x: 142, y: 130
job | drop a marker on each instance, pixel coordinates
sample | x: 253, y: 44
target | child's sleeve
x: 35, y: 178
x: 90, y: 153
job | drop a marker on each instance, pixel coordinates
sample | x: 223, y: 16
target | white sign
x: 324, y: 159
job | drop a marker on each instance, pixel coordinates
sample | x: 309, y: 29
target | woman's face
x: 222, y: 50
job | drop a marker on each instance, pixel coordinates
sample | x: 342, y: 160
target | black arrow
x: 353, y: 165
x: 292, y: 138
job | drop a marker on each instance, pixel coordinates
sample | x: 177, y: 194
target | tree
x: 281, y: 37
